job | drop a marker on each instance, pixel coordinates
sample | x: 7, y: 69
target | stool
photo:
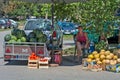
x: 57, y: 56
x: 84, y: 51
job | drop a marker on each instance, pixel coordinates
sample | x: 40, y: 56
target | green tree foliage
x: 99, y: 13
x: 46, y: 10
x: 63, y: 10
x: 1, y: 9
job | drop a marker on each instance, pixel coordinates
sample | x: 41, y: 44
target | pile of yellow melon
x: 103, y: 57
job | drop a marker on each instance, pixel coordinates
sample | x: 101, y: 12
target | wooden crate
x: 104, y: 66
x: 33, y: 64
x: 44, y: 64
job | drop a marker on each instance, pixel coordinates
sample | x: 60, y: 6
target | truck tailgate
x: 21, y: 52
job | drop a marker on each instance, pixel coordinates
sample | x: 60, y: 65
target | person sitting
x: 102, y: 37
x: 82, y: 42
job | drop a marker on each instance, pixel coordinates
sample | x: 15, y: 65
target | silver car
x: 14, y: 24
x: 54, y: 34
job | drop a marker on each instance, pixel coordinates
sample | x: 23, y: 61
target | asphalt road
x: 2, y: 34
x: 18, y: 70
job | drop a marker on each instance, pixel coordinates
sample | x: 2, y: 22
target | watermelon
x: 20, y: 33
x: 7, y: 37
x: 19, y: 41
x: 33, y: 40
x: 42, y: 39
x: 23, y: 39
x: 11, y: 41
x: 39, y: 40
x: 31, y: 35
x: 38, y: 33
x: 13, y: 37
x: 14, y: 31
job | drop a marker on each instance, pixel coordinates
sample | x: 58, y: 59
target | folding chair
x: 84, y: 51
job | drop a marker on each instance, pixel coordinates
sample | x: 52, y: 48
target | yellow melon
x: 107, y: 52
x: 108, y: 57
x: 102, y: 50
x: 107, y: 61
x: 103, y: 61
x: 96, y: 55
x: 89, y: 60
x: 99, y: 62
x: 90, y: 56
x: 112, y: 55
x: 113, y: 62
x: 115, y: 57
x: 94, y: 52
x: 118, y: 60
x: 102, y: 53
x: 102, y: 57
x: 97, y: 59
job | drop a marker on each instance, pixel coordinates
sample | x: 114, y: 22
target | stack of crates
x: 33, y: 61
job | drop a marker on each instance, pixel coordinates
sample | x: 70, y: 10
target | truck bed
x: 21, y: 51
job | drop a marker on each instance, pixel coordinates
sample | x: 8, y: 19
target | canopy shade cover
x: 51, y: 1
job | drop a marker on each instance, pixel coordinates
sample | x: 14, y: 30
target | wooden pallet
x: 53, y: 65
x: 33, y: 64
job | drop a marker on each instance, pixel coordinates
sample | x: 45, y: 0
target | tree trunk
x: 46, y: 16
x: 119, y: 37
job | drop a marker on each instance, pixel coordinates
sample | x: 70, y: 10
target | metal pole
x: 52, y: 11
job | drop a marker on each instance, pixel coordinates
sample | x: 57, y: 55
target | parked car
x: 54, y: 35
x: 14, y: 24
x: 3, y: 24
x: 6, y: 22
x: 67, y: 27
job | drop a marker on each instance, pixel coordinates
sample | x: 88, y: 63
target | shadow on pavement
x: 66, y: 61
x: 20, y: 63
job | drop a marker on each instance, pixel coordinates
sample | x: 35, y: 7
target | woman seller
x: 82, y: 42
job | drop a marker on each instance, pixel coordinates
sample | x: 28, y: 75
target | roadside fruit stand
x: 103, y: 60
x: 18, y: 46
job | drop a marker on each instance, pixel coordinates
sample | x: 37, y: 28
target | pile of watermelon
x: 18, y: 36
x: 37, y: 36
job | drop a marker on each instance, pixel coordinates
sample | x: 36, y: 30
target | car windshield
x: 66, y: 24
x: 42, y: 24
